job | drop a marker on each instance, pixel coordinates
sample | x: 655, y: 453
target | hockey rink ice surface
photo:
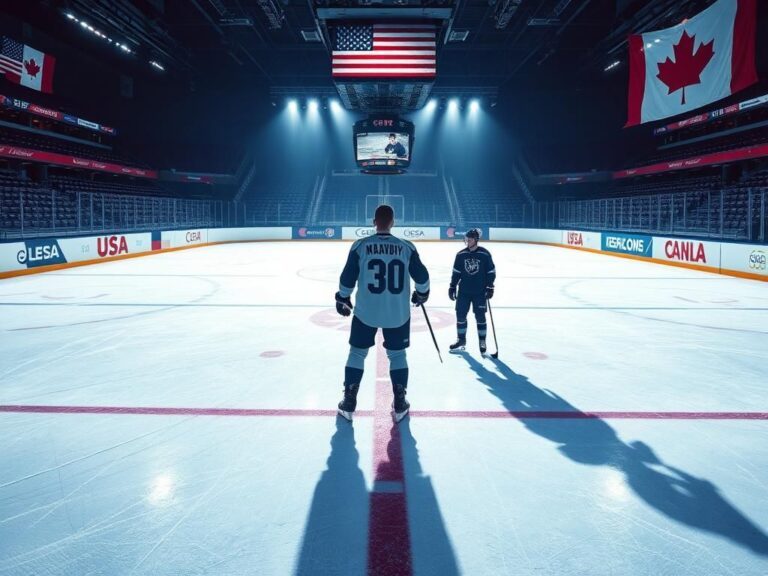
x: 175, y: 415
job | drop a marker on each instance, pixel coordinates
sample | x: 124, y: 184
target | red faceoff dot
x: 271, y: 353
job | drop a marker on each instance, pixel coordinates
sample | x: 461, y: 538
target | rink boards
x: 46, y: 253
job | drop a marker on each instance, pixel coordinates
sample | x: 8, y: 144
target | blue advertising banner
x: 40, y: 252
x: 454, y: 233
x: 637, y: 244
x: 316, y: 233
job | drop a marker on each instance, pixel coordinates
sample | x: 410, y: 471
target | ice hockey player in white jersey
x: 382, y: 267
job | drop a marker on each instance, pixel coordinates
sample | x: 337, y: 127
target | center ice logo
x: 472, y: 265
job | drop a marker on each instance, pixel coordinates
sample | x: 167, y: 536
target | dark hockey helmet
x: 473, y: 233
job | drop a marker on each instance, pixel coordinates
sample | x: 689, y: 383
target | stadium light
x: 293, y: 106
x: 312, y: 104
x: 612, y: 66
x: 452, y: 114
x: 474, y: 105
x: 157, y: 65
x: 100, y: 34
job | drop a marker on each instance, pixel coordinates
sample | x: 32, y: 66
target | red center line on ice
x: 479, y: 414
x: 389, y: 541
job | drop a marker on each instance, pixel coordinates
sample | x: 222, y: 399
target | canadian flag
x: 25, y: 65
x: 37, y: 70
x: 695, y: 63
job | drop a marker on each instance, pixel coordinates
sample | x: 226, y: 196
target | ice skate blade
x: 400, y: 415
x: 458, y: 350
x: 344, y: 414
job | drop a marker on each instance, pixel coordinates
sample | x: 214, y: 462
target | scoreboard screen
x: 383, y: 144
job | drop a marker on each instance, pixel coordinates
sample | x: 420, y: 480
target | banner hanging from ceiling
x: 697, y: 62
x: 22, y: 64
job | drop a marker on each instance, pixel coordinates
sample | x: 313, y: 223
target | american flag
x: 11, y: 55
x: 384, y: 51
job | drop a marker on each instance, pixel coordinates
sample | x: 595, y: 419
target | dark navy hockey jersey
x: 473, y: 271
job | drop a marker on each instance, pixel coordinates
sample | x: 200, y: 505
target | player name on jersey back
x: 384, y: 250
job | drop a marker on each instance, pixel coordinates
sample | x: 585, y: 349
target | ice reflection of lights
x: 162, y: 489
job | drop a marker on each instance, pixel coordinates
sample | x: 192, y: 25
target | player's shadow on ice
x: 431, y: 547
x: 678, y: 495
x: 336, y: 535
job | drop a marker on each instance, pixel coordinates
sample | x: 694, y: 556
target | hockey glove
x: 419, y: 298
x: 452, y: 293
x: 343, y: 304
x: 489, y: 293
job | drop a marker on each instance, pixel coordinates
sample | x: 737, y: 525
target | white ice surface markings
x: 511, y: 495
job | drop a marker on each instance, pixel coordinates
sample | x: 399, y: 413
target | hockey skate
x: 400, y: 405
x: 349, y: 403
x: 483, y: 347
x: 459, y: 346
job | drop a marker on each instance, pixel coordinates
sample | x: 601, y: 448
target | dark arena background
x: 572, y: 376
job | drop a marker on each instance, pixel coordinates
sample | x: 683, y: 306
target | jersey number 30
x: 387, y: 276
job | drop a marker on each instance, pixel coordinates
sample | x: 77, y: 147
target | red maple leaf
x: 31, y: 67
x: 687, y: 68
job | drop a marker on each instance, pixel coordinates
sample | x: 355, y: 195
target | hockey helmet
x: 473, y: 233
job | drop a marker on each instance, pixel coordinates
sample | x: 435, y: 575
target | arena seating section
x: 481, y: 203
x: 70, y: 201
x: 69, y: 204
x: 705, y: 201
x: 720, y: 144
x: 47, y: 143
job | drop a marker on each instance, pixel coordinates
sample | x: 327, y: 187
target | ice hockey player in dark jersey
x: 382, y: 267
x: 474, y: 275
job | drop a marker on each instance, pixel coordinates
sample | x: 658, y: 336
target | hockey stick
x: 429, y: 324
x: 495, y: 355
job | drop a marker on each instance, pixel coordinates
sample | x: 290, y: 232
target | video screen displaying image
x: 383, y: 146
